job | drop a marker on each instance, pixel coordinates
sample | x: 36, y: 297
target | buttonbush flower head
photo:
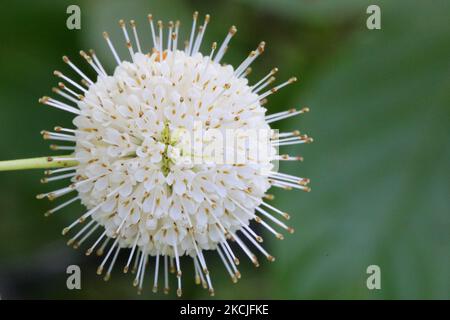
x: 147, y: 194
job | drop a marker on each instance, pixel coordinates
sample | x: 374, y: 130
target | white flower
x: 143, y: 185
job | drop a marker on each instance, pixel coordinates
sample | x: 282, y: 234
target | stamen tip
x: 99, y: 270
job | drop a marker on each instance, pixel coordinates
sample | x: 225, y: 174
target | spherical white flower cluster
x: 125, y: 140
x: 136, y: 166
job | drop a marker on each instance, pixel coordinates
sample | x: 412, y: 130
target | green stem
x: 37, y: 163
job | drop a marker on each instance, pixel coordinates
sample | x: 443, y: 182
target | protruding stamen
x: 57, y: 193
x: 97, y: 61
x: 166, y: 275
x: 127, y: 38
x: 125, y: 269
x: 169, y: 36
x: 136, y: 261
x: 245, y: 226
x: 59, y: 105
x: 63, y: 205
x: 77, y: 70
x: 251, y: 57
x: 284, y: 214
x: 175, y: 38
x: 288, y: 139
x: 224, y: 44
x: 62, y: 86
x: 256, y: 244
x: 288, y: 178
x: 135, y: 34
x: 92, y: 248
x: 152, y: 27
x: 291, y: 141
x: 111, y: 47
x: 278, y: 135
x: 272, y: 218
x: 60, y: 177
x: 225, y: 263
x: 213, y: 48
x: 105, y: 259
x: 111, y: 265
x: 142, y: 275
x: 64, y: 95
x: 155, y: 280
x: 285, y: 114
x: 286, y: 157
x: 288, y: 186
x: 278, y: 87
x: 57, y: 136
x: 191, y: 38
x: 202, y: 29
x: 138, y: 273
x: 207, y: 276
x: 271, y: 73
x: 230, y: 260
x: 81, y: 219
x: 160, y: 48
x: 79, y: 233
x: 272, y: 230
x: 62, y: 76
x: 246, y: 250
x: 50, y: 172
x: 91, y: 62
x: 199, y: 272
x: 265, y: 84
x: 101, y: 250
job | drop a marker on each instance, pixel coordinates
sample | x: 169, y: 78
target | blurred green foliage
x: 380, y: 104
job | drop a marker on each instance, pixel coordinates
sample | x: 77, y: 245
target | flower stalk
x: 37, y: 163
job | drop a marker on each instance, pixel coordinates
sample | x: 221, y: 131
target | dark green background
x: 380, y: 106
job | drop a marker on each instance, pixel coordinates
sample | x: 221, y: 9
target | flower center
x: 166, y: 140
